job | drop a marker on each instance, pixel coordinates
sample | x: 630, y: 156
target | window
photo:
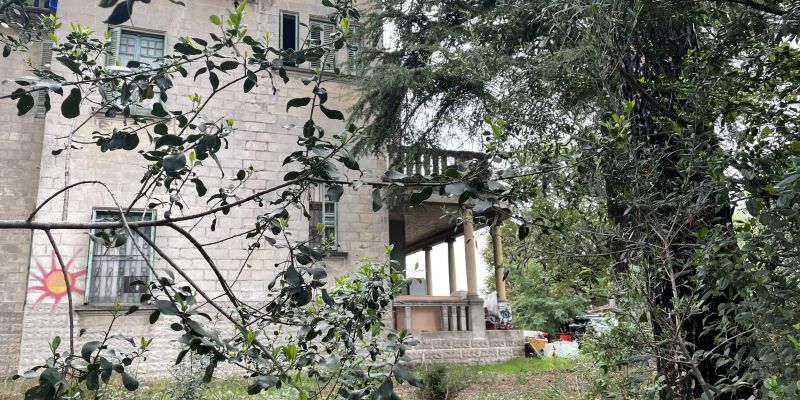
x: 289, y: 32
x: 324, y: 214
x: 43, y: 97
x: 131, y: 49
x: 353, y: 46
x: 45, y: 4
x: 143, y: 48
x: 113, y: 269
x: 321, y: 34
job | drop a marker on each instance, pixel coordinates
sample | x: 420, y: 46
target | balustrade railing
x: 411, y: 160
x: 432, y: 314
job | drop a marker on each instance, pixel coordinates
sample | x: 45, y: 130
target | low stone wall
x: 463, y: 348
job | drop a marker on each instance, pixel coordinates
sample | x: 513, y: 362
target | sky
x: 439, y: 265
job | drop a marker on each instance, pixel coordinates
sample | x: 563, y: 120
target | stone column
x: 469, y: 255
x: 428, y: 273
x: 451, y: 263
x: 499, y: 271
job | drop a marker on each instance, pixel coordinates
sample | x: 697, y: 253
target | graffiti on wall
x: 49, y: 282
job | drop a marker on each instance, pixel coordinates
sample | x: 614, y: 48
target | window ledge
x: 309, y: 72
x: 105, y: 308
x: 337, y: 254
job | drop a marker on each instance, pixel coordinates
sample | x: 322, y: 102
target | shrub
x: 442, y: 383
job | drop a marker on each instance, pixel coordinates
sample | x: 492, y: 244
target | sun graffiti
x: 51, y: 282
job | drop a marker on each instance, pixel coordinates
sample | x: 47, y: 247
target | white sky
x: 439, y: 265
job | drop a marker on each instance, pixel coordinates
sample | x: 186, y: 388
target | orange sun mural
x: 51, y: 283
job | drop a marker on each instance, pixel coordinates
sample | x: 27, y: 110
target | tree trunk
x: 658, y: 56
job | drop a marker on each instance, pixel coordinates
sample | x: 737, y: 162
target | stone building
x: 33, y: 307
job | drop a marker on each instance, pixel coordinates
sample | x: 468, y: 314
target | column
x: 428, y: 272
x: 451, y: 263
x: 407, y: 318
x: 469, y: 255
x: 499, y: 270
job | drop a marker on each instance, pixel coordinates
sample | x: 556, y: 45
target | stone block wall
x: 266, y: 134
x: 20, y: 155
x: 464, y: 349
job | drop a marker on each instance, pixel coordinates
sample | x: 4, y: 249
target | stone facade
x: 262, y: 140
x: 467, y: 349
x: 20, y: 156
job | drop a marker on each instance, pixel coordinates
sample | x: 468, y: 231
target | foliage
x: 655, y: 122
x: 528, y: 365
x: 441, y: 383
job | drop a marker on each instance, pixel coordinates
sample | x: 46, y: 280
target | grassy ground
x: 517, y: 379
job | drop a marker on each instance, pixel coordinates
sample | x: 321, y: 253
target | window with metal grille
x: 321, y: 33
x: 113, y: 269
x: 128, y: 50
x: 289, y: 32
x: 324, y: 214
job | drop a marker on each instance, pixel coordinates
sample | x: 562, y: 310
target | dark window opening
x: 288, y: 34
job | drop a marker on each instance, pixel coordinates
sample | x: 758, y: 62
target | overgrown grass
x: 164, y: 389
x: 516, y: 365
x: 516, y: 379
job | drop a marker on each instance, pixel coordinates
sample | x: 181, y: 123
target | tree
x: 661, y: 116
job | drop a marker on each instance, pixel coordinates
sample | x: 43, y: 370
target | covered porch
x: 458, y: 306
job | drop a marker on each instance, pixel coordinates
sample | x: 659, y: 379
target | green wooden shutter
x: 323, y: 37
x: 45, y: 61
x: 109, y: 92
x: 111, y: 57
x: 353, y: 45
x: 316, y: 38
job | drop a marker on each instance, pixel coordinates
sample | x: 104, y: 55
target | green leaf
x: 167, y: 307
x: 174, y: 162
x: 25, y: 104
x: 419, y: 197
x: 332, y: 114
x: 154, y: 316
x: 89, y: 348
x: 107, y: 3
x: 169, y: 140
x: 55, y: 344
x: 335, y: 192
x: 216, y: 20
x: 209, y: 373
x: 161, y: 129
x: 385, y: 390
x: 229, y: 65
x: 298, y: 102
x: 523, y: 231
x: 187, y: 49
x: 200, y: 187
x: 249, y: 85
x: 129, y: 382
x: 71, y: 107
x: 377, y: 203
x: 482, y: 206
x: 159, y: 111
x: 120, y: 14
x: 455, y: 189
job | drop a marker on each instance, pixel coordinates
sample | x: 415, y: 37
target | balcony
x: 435, y: 313
x: 427, y: 161
x: 439, y: 220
